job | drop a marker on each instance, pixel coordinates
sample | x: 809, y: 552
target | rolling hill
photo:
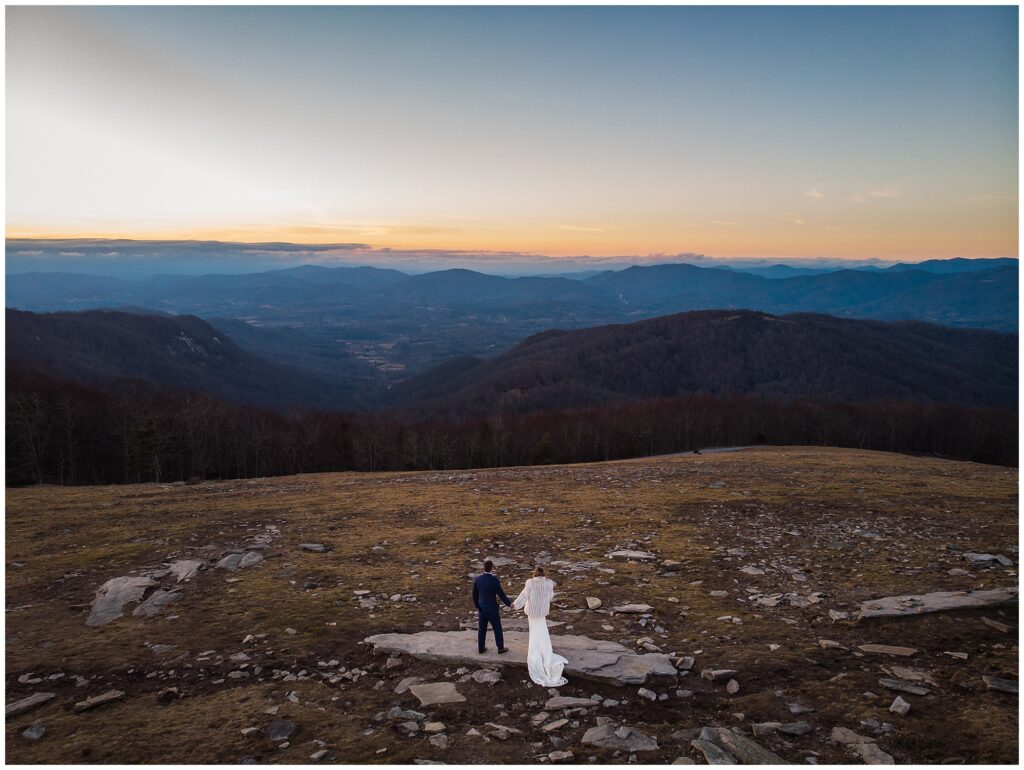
x: 97, y: 347
x: 724, y: 353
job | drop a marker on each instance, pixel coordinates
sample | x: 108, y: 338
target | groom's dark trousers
x: 486, y: 592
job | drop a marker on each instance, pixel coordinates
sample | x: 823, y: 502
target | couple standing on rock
x: 544, y: 666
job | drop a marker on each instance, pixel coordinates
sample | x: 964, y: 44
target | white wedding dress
x: 545, y: 667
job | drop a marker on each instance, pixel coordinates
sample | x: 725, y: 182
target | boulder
x: 748, y: 752
x: 156, y: 602
x: 588, y: 658
x: 113, y: 595
x: 186, y: 569
x: 940, y: 601
x: 713, y: 754
x: 631, y: 555
x: 436, y: 693
x: 629, y: 739
x: 632, y: 609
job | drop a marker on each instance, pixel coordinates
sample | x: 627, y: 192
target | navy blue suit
x: 486, y: 592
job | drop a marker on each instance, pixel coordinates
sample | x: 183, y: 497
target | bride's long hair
x: 538, y: 572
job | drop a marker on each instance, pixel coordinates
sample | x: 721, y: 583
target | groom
x: 486, y: 592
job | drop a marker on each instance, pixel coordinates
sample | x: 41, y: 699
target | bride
x: 545, y: 667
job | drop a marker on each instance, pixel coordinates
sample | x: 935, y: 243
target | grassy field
x: 854, y: 525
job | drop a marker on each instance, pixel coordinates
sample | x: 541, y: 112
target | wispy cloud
x: 725, y: 222
x: 581, y: 229
x: 889, y: 191
x: 815, y: 193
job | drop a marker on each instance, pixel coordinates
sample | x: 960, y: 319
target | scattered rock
x: 560, y: 756
x: 1002, y: 627
x: 748, y: 752
x: 280, y: 730
x: 630, y: 555
x: 99, y: 700
x: 439, y: 741
x: 436, y: 693
x: 186, y: 569
x: 313, y: 547
x: 567, y: 702
x: 113, y: 595
x: 941, y: 601
x: 872, y: 755
x: 156, y: 602
x: 35, y: 732
x: 713, y: 675
x: 485, y: 676
x: 795, y: 728
x: 434, y: 727
x: 250, y: 732
x: 593, y: 603
x: 316, y: 756
x: 1000, y: 684
x: 27, y: 704
x: 643, y: 692
x: 405, y: 684
x: 900, y: 706
x: 606, y: 736
x: 886, y: 649
x: 732, y: 687
x: 632, y: 609
x: 848, y: 737
x: 714, y: 755
x: 900, y: 686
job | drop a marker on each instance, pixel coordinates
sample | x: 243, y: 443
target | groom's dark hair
x: 488, y: 565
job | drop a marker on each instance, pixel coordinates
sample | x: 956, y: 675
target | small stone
x: 250, y: 732
x: 313, y: 547
x: 1002, y: 627
x: 485, y: 676
x: 434, y: 727
x: 795, y: 728
x: 1000, y: 684
x: 439, y: 741
x: 280, y: 730
x: 643, y: 692
x: 552, y: 726
x: 887, y: 649
x: 35, y: 732
x: 899, y: 706
x: 732, y: 687
x: 713, y: 675
x: 560, y: 756
x: 900, y: 686
x: 593, y: 603
x: 316, y: 756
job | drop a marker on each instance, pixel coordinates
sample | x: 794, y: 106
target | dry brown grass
x: 433, y: 525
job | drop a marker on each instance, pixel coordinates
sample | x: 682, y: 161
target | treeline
x: 65, y: 433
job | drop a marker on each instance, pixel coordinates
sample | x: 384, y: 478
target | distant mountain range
x: 728, y: 353
x: 720, y: 353
x: 393, y: 325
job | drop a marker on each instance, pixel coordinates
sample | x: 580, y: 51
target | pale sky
x: 872, y: 132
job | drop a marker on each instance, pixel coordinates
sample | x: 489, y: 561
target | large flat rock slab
x: 113, y: 595
x: 588, y: 658
x: 941, y: 601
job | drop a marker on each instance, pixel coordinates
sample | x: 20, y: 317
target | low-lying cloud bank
x: 137, y: 258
